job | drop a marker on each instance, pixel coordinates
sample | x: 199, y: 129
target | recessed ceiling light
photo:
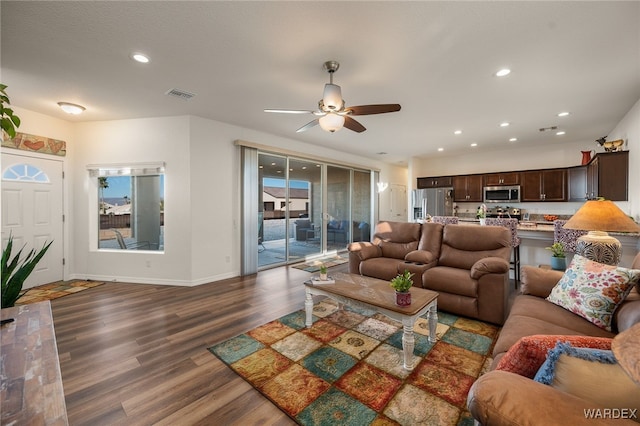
x: 139, y: 57
x: 563, y: 114
x: 505, y: 124
x: 70, y: 108
x: 513, y: 139
x: 474, y: 144
x: 457, y: 132
x: 503, y: 72
x: 304, y: 167
x: 440, y: 149
x: 560, y: 133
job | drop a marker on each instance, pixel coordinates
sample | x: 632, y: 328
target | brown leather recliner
x: 396, y: 247
x: 472, y: 273
x: 467, y: 265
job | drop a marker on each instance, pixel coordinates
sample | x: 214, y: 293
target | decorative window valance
x: 126, y: 169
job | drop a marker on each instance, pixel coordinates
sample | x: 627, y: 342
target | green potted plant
x: 7, y: 119
x: 401, y: 284
x: 16, y: 270
x: 323, y: 272
x: 558, y: 256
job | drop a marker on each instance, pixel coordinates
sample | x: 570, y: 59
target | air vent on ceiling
x: 548, y: 129
x: 181, y: 94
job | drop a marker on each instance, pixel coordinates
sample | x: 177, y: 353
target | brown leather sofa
x: 505, y: 398
x: 467, y: 265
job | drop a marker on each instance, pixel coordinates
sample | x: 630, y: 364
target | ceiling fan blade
x: 308, y: 125
x: 290, y: 111
x: 352, y: 124
x: 372, y: 109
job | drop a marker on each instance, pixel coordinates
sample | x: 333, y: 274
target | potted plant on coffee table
x: 558, y: 256
x: 401, y: 284
x: 323, y: 272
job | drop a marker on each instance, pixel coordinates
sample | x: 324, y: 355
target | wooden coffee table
x: 372, y: 293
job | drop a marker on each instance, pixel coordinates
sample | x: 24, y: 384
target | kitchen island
x: 534, y: 239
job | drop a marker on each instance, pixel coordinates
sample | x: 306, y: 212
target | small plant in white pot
x: 558, y: 256
x: 323, y: 272
x: 402, y: 284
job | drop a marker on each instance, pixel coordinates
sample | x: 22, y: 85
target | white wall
x: 202, y: 193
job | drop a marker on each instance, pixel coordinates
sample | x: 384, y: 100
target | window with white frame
x: 130, y: 206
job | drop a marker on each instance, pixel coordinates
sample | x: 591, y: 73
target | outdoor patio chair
x: 129, y: 246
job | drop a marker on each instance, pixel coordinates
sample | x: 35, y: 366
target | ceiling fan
x: 332, y: 113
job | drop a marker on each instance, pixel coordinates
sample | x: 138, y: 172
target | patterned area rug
x: 55, y: 290
x: 328, y: 261
x: 347, y: 368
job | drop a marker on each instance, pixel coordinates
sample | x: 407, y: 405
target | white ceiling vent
x: 181, y: 94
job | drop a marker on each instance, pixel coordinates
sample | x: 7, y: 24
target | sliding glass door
x: 296, y: 209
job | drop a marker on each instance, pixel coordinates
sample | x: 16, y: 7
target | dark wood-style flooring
x: 136, y: 354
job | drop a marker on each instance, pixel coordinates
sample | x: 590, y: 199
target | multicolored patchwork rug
x: 329, y: 261
x: 347, y: 368
x: 55, y: 290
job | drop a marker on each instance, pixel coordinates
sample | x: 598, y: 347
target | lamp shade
x: 331, y: 122
x: 601, y: 215
x: 332, y: 97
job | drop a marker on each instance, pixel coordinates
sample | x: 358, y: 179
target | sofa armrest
x: 489, y: 265
x: 538, y: 281
x: 365, y: 250
x: 503, y: 398
x: 420, y: 256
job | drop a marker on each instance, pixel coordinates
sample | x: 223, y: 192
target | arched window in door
x: 25, y: 173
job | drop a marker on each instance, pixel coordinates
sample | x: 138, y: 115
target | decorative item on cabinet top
x: 610, y: 146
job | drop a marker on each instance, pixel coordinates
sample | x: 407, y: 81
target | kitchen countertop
x: 542, y: 227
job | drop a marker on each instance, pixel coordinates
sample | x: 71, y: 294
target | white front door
x: 32, y: 212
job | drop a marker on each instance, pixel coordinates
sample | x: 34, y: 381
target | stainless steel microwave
x: 501, y: 194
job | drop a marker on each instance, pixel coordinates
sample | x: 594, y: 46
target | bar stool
x: 568, y: 237
x: 511, y: 225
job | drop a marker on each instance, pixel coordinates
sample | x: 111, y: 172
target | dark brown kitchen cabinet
x: 608, y: 176
x: 497, y: 179
x: 434, y: 182
x: 544, y: 185
x: 467, y: 188
x: 577, y: 177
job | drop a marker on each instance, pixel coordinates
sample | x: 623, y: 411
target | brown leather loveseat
x: 467, y: 265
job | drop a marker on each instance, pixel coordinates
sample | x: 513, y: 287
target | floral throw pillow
x: 593, y: 290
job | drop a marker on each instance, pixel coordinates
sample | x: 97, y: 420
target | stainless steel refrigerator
x: 432, y: 202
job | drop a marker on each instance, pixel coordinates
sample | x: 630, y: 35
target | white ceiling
x: 436, y: 59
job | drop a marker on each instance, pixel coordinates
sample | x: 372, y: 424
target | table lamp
x: 598, y: 217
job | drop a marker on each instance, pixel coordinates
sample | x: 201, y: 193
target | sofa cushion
x: 590, y: 374
x: 399, y: 232
x: 397, y: 250
x: 530, y: 352
x: 450, y: 280
x: 464, y: 245
x: 384, y: 268
x: 532, y: 315
x: 593, y: 290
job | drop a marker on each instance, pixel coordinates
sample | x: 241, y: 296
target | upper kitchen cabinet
x: 544, y: 185
x: 608, y: 176
x: 467, y: 188
x: 434, y: 182
x: 497, y: 179
x: 577, y: 183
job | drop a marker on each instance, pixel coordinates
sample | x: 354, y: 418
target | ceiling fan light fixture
x: 332, y: 97
x: 331, y: 122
